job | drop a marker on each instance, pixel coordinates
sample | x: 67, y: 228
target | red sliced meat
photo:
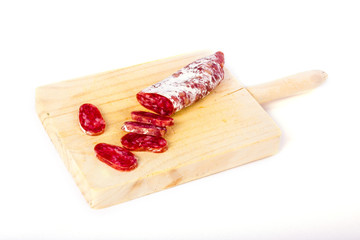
x: 141, y: 142
x: 91, y: 120
x: 116, y: 157
x: 185, y: 86
x: 144, y: 128
x: 152, y: 118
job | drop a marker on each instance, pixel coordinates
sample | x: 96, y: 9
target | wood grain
x: 226, y: 129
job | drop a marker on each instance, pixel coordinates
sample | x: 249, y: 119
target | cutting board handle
x: 287, y: 86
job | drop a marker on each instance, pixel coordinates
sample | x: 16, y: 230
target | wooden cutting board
x: 226, y: 129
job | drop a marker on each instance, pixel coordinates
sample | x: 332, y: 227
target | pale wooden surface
x: 287, y: 86
x: 226, y: 129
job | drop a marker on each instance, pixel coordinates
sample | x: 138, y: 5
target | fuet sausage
x: 141, y: 142
x: 116, y: 157
x: 144, y: 128
x: 152, y: 118
x: 185, y: 86
x: 91, y: 120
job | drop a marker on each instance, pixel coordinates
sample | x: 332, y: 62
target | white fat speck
x: 183, y: 82
x: 124, y: 127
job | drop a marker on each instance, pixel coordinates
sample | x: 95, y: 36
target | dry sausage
x: 91, y: 121
x: 116, y: 157
x: 152, y: 118
x: 141, y: 142
x: 185, y: 86
x: 144, y: 128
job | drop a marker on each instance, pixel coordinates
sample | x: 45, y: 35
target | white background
x: 309, y: 190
